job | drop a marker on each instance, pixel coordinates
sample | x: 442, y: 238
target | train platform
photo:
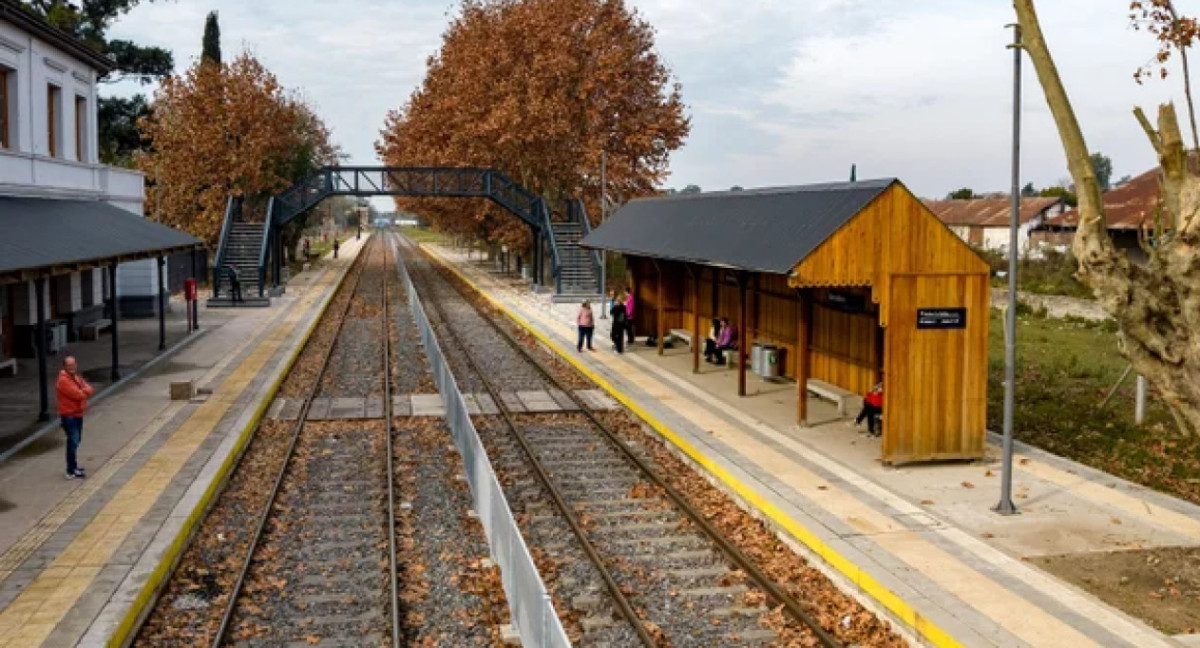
x: 80, y: 558
x: 918, y: 544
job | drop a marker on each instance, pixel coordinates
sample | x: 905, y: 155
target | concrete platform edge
x: 900, y: 611
x: 148, y: 594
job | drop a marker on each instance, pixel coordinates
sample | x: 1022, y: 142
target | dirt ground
x: 1158, y: 586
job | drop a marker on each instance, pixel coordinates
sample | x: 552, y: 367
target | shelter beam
x: 40, y: 346
x: 742, y: 337
x: 803, y: 370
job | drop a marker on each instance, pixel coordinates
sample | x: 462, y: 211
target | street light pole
x: 604, y: 305
x: 1005, y: 505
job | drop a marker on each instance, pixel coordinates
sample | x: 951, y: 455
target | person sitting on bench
x: 710, y: 342
x: 726, y: 340
x: 872, y: 408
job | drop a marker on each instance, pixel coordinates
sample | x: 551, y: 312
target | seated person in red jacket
x: 872, y: 408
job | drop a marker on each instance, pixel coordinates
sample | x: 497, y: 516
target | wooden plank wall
x: 844, y: 345
x: 936, y: 393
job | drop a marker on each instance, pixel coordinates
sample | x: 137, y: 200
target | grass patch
x: 423, y: 234
x: 1053, y: 274
x: 1064, y: 370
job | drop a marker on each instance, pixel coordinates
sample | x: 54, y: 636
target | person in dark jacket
x: 235, y: 283
x: 617, y: 334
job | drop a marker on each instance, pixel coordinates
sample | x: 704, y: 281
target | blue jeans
x: 585, y: 335
x: 73, y: 426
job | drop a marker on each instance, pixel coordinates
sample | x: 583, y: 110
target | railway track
x: 639, y: 564
x: 318, y: 571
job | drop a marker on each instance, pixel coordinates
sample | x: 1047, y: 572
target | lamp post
x: 1005, y: 506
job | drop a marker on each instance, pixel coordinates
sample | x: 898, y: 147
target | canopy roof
x: 47, y: 236
x: 761, y: 230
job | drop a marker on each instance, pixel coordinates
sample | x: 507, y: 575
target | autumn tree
x: 539, y: 89
x: 1156, y: 305
x: 225, y: 130
x: 90, y: 21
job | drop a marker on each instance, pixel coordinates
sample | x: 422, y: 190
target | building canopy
x: 40, y: 236
x: 763, y: 230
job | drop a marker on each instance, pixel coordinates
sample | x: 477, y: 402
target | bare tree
x: 1156, y: 306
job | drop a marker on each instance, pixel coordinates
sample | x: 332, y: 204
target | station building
x: 854, y: 283
x: 68, y: 224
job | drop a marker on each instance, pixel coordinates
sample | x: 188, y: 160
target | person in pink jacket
x: 585, y: 321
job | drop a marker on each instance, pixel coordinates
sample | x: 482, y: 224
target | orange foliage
x: 537, y: 89
x: 222, y: 130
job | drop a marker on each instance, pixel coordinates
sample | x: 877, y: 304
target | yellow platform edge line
x: 903, y: 611
x: 148, y: 595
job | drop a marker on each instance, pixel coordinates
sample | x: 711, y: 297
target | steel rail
x: 735, y: 555
x: 614, y: 589
x: 391, y: 457
x: 301, y: 419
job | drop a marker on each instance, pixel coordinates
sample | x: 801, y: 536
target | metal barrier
x: 532, y: 610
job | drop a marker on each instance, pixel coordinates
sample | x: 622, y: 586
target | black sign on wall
x: 941, y: 318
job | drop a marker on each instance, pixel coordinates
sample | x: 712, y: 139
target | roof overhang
x: 23, y: 19
x: 42, y: 237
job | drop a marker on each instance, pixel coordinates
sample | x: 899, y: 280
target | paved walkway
x: 79, y: 559
x: 917, y: 542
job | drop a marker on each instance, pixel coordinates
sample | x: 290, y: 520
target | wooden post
x: 742, y: 337
x: 696, y: 339
x: 660, y: 313
x: 802, y: 360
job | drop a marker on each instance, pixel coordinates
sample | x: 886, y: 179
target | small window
x: 6, y: 90
x: 53, y: 117
x: 81, y: 120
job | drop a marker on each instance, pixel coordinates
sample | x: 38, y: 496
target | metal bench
x: 9, y: 363
x: 91, y: 330
x: 831, y: 392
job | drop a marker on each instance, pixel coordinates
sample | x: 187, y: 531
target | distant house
x: 1127, y: 209
x: 984, y: 222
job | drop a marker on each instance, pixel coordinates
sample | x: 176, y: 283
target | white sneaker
x: 72, y: 476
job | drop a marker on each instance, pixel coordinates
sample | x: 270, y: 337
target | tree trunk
x: 1156, y: 306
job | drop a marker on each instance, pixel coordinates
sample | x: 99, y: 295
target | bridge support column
x: 537, y: 257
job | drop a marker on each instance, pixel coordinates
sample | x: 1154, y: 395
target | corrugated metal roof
x: 765, y: 230
x: 44, y: 232
x: 988, y: 212
x: 1125, y: 208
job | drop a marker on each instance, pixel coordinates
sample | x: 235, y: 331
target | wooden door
x: 935, y: 395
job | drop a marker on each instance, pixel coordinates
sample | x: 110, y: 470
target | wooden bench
x: 831, y: 392
x: 9, y: 363
x: 682, y: 334
x: 91, y: 330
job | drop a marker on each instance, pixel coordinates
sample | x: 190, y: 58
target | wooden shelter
x: 856, y: 282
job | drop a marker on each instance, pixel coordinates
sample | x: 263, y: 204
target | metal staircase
x: 242, y: 247
x: 577, y: 270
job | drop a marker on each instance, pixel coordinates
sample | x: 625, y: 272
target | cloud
x: 779, y: 92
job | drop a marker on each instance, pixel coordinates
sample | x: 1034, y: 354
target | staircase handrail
x: 262, y: 250
x: 555, y: 257
x: 222, y: 246
x: 586, y: 228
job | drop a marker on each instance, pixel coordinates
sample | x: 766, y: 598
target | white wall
x: 27, y: 168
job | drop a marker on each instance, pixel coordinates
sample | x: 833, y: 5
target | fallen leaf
x: 968, y: 484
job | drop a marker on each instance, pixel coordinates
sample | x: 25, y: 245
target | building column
x: 195, y: 302
x: 803, y: 334
x: 115, y: 311
x: 742, y: 337
x: 696, y: 339
x: 162, y: 304
x: 660, y: 313
x: 39, y: 333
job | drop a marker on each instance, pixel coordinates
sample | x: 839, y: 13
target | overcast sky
x: 780, y: 91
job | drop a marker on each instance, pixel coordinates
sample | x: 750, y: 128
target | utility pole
x: 604, y: 305
x: 1005, y: 506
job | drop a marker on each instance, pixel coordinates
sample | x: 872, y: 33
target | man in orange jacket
x: 72, y: 392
